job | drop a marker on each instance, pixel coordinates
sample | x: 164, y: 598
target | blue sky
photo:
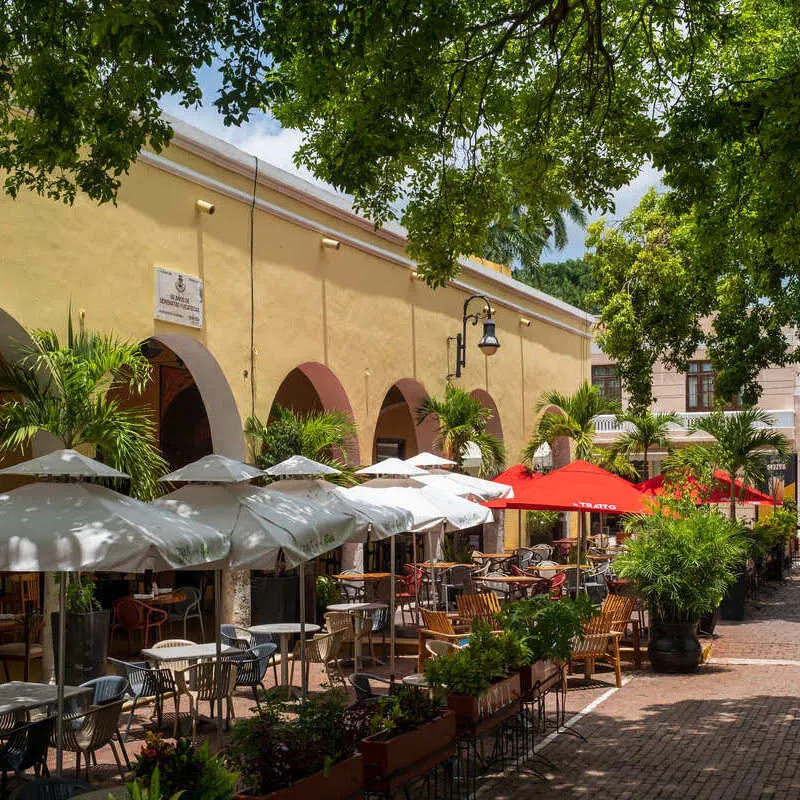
x: 264, y: 137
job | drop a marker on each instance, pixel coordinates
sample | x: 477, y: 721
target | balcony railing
x: 607, y: 423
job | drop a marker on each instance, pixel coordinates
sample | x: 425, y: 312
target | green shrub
x: 547, y: 629
x: 682, y: 563
x: 328, y: 592
x: 404, y: 710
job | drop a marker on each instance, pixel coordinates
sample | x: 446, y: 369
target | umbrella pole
x: 415, y: 561
x: 303, y: 686
x: 218, y: 639
x: 391, y: 606
x: 434, y: 599
x: 62, y: 630
x: 581, y: 529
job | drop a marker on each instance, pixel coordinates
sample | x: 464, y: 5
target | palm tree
x: 740, y: 441
x: 649, y: 430
x: 72, y: 390
x: 573, y: 416
x: 323, y: 436
x: 462, y: 418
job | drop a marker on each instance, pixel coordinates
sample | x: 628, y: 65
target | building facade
x: 282, y: 294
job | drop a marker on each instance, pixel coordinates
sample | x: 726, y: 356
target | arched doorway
x: 313, y: 387
x: 494, y: 425
x: 397, y: 432
x: 194, y: 405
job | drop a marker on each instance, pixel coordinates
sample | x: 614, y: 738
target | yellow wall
x: 360, y: 314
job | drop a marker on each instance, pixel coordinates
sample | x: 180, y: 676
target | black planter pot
x: 732, y: 606
x: 708, y: 622
x: 674, y: 647
x: 86, y: 645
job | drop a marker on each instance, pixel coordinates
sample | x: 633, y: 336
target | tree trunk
x: 733, y: 497
x: 236, y: 596
x: 646, y: 465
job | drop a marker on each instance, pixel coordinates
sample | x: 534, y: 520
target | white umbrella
x: 301, y: 467
x: 64, y: 464
x: 70, y: 527
x: 466, y: 486
x: 426, y: 460
x: 391, y: 467
x: 214, y: 469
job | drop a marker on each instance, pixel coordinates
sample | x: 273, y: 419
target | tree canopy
x: 570, y: 281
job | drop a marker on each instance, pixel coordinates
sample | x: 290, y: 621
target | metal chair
x: 131, y: 615
x: 542, y: 552
x: 210, y: 682
x: 25, y: 747
x: 252, y: 666
x: 50, y: 789
x: 242, y: 639
x: 594, y: 582
x: 90, y: 731
x: 187, y: 609
x: 144, y: 681
x: 29, y: 649
x: 110, y: 689
x: 378, y: 624
x: 362, y: 683
x: 459, y: 578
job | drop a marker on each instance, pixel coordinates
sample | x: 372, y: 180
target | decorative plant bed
x: 392, y: 762
x: 537, y: 675
x: 499, y: 700
x: 343, y: 781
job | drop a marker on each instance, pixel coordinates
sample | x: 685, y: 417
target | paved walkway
x: 730, y: 731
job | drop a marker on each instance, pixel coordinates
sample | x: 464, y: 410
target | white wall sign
x: 179, y: 298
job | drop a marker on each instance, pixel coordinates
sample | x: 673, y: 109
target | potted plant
x: 167, y: 768
x: 546, y: 631
x: 313, y: 755
x: 409, y: 728
x: 87, y: 625
x: 482, y: 679
x: 681, y: 560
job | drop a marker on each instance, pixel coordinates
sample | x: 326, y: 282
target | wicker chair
x: 600, y: 643
x: 90, y: 731
x: 322, y: 649
x: 210, y: 682
x: 175, y: 666
x: 336, y: 621
x: 29, y: 649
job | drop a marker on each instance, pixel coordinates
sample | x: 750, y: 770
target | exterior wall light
x: 333, y: 244
x: 525, y: 322
x: 204, y: 207
x: 488, y: 343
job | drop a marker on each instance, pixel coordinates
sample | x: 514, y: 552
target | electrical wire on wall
x: 253, y: 293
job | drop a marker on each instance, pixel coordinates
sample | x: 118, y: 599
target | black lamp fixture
x: 488, y: 343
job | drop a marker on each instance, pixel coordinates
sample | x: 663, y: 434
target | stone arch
x: 494, y: 425
x: 397, y: 418
x: 312, y: 386
x: 224, y: 420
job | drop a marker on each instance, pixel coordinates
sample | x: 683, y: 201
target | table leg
x: 357, y: 643
x: 284, y: 659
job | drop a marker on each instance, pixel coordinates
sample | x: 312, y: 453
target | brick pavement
x: 730, y: 731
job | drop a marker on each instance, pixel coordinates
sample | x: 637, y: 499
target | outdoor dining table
x: 18, y: 696
x: 373, y: 578
x: 283, y: 630
x: 163, y: 599
x: 358, y: 612
x: 187, y: 652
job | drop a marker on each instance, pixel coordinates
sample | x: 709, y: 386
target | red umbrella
x: 519, y: 478
x: 581, y: 486
x: 720, y: 493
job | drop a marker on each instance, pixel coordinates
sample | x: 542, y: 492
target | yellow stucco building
x: 302, y: 301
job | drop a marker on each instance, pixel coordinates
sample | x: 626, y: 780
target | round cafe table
x: 283, y: 630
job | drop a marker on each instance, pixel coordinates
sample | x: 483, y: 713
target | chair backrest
x: 252, y: 665
x: 32, y: 625
x: 191, y: 602
x: 380, y: 620
x: 438, y: 647
x: 557, y: 584
x: 437, y: 621
x: 526, y: 556
x: 211, y: 680
x: 27, y: 745
x: 107, y: 689
x: 478, y: 606
x: 233, y: 636
x: 324, y: 647
x: 595, y: 637
x: 340, y: 621
x: 173, y: 643
x: 547, y: 563
x: 50, y: 789
x: 92, y: 729
x: 360, y: 682
x: 619, y: 608
x: 129, y: 613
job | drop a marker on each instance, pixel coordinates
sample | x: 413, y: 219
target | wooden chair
x: 29, y: 649
x: 438, y: 625
x: 621, y: 609
x: 484, y: 607
x: 600, y: 643
x: 208, y: 681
